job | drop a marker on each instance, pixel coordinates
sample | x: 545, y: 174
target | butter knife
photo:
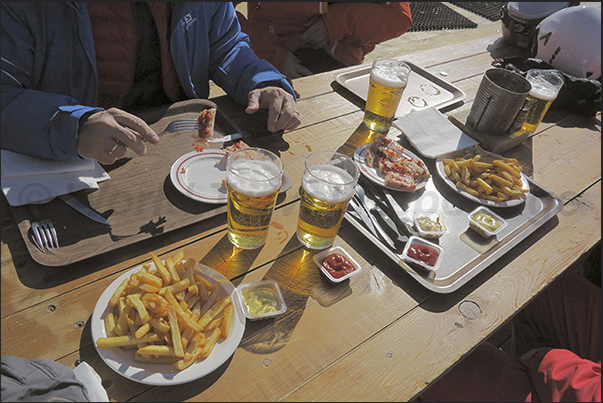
x: 83, y: 209
x: 360, y: 212
x: 384, y: 197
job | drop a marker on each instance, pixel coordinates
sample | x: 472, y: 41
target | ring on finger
x: 117, y: 143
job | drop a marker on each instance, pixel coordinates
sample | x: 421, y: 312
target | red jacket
x: 562, y: 376
x: 275, y: 28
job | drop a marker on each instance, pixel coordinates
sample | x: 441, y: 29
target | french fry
x: 109, y: 321
x: 118, y: 292
x: 467, y: 189
x: 161, y: 269
x: 211, y: 342
x: 126, y: 340
x: 175, y: 332
x: 151, y: 279
x: 140, y: 308
x: 157, y: 350
x: 215, y: 309
x: 171, y: 267
x: 501, y: 181
x: 142, y: 330
x: 507, y: 167
x: 227, y: 320
x: 482, y: 184
x: 176, y: 288
x: 159, y: 325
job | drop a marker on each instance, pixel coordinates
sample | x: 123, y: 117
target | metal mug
x: 500, y: 97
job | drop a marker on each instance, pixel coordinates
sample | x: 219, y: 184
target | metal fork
x: 45, y: 235
x: 181, y: 124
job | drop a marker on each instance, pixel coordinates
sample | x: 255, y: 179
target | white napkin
x: 27, y: 180
x: 92, y: 381
x: 431, y: 133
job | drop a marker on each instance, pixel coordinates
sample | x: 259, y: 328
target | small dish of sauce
x: 429, y: 223
x: 485, y: 222
x: 422, y: 254
x: 261, y: 300
x: 336, y: 264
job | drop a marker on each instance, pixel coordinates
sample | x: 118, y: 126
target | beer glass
x: 387, y: 82
x: 328, y: 184
x: 545, y: 87
x: 253, y: 178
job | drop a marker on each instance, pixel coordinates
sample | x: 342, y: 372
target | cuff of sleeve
x: 66, y: 125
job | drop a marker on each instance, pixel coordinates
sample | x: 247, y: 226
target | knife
x: 382, y: 234
x: 384, y: 197
x: 359, y: 210
x: 83, y: 209
x: 224, y: 139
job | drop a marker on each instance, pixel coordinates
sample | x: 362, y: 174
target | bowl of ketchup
x: 422, y: 253
x: 336, y: 264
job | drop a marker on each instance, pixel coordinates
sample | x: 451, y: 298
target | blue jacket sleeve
x: 232, y: 64
x: 35, y: 120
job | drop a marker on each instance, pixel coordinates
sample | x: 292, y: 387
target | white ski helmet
x: 570, y: 41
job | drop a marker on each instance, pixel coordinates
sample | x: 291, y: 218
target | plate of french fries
x: 167, y: 322
x: 484, y: 177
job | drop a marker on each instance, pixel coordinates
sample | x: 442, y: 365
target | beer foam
x: 329, y: 183
x: 388, y: 78
x: 254, y: 178
x: 541, y: 92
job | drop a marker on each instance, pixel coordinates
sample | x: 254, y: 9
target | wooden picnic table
x: 379, y: 336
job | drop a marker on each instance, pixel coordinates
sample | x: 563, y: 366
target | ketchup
x: 423, y: 253
x: 337, y: 265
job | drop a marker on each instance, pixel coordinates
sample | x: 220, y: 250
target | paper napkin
x: 431, y: 133
x: 27, y: 179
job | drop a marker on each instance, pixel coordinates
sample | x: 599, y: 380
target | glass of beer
x: 545, y: 87
x: 387, y: 82
x: 253, y: 177
x: 328, y: 185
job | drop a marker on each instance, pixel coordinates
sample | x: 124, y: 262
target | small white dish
x: 480, y: 228
x: 267, y: 292
x: 201, y: 176
x: 319, y: 257
x: 434, y: 216
x: 419, y: 242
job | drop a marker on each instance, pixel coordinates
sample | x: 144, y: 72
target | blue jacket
x: 49, y: 77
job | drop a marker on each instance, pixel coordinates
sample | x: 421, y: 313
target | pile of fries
x: 166, y: 314
x: 485, y: 175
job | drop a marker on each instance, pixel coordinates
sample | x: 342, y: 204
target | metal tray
x: 466, y: 253
x: 423, y: 90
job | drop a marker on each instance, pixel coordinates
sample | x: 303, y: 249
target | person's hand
x: 107, y: 135
x: 316, y: 35
x: 292, y: 67
x: 282, y: 108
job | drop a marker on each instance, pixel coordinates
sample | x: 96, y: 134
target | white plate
x: 200, y: 175
x: 375, y: 176
x: 122, y: 361
x: 510, y: 203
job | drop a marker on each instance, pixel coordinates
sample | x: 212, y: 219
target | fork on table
x: 44, y: 232
x: 181, y: 124
x: 193, y: 124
